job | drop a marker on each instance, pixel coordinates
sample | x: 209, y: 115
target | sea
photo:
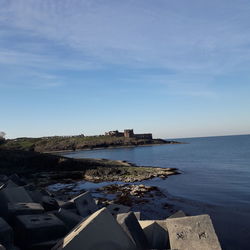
x: 214, y: 179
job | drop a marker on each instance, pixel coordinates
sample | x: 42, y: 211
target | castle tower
x: 128, y: 133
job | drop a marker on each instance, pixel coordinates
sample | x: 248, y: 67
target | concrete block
x: 137, y: 215
x: 10, y: 184
x: 35, y: 229
x: 12, y: 195
x: 99, y: 231
x: 156, y: 235
x: 24, y: 208
x: 131, y: 226
x: 162, y: 223
x: 193, y: 232
x: 68, y: 205
x: 69, y: 218
x: 45, y: 192
x: 178, y: 214
x: 15, y: 195
x: 85, y: 204
x: 3, y: 178
x: 6, y: 234
x: 30, y: 187
x: 145, y: 223
x: 17, y: 180
x: 115, y: 209
x: 49, y: 203
x: 46, y: 245
x: 35, y: 195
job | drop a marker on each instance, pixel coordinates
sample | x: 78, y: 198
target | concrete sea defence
x: 32, y: 218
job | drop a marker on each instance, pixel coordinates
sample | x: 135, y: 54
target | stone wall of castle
x: 129, y: 133
x: 144, y: 136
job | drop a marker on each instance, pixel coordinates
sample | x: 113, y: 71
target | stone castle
x: 129, y: 133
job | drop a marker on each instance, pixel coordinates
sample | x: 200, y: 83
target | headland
x: 80, y: 142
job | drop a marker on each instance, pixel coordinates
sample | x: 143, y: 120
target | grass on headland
x: 63, y: 143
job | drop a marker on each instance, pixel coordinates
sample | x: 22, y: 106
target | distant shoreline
x: 77, y: 143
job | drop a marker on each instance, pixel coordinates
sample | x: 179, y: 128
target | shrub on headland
x: 2, y: 137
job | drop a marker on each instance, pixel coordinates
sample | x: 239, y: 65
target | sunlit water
x: 215, y: 177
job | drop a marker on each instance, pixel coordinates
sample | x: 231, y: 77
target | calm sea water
x: 215, y: 179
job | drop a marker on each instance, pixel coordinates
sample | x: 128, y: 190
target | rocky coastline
x: 52, y: 171
x: 75, y: 143
x: 56, y: 188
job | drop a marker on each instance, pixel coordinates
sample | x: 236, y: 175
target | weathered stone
x: 131, y: 226
x: 178, y: 214
x: 69, y: 218
x: 6, y: 234
x: 35, y: 229
x: 98, y: 231
x: 193, y: 232
x: 24, y: 208
x: 50, y: 203
x: 85, y: 204
x: 156, y: 235
x: 115, y: 209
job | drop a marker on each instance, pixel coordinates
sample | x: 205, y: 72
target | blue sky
x: 174, y: 68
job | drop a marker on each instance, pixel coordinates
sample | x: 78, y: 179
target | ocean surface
x: 215, y: 179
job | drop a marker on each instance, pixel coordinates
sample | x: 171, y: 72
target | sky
x: 173, y: 68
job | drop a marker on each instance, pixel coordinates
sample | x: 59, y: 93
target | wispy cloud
x: 160, y: 33
x: 186, y: 37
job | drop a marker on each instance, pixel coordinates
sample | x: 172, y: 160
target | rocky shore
x: 45, y: 169
x: 34, y: 218
x: 50, y: 206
